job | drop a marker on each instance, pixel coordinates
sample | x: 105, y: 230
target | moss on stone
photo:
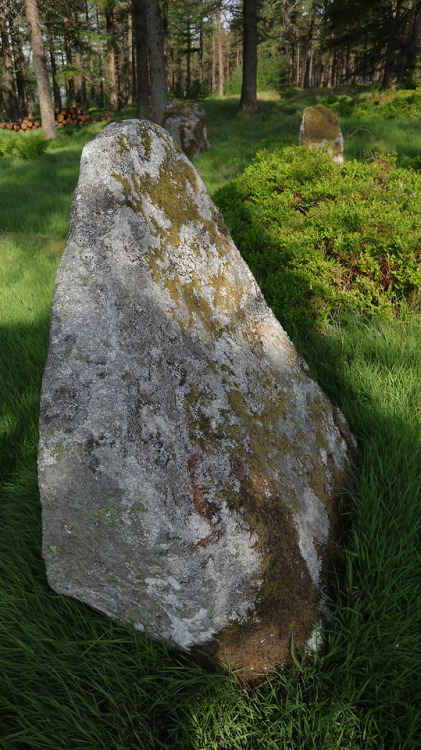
x: 81, y: 357
x: 320, y: 123
x: 58, y: 452
x: 146, y: 139
x: 122, y: 144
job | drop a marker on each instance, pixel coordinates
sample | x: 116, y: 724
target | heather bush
x: 391, y: 104
x: 321, y: 238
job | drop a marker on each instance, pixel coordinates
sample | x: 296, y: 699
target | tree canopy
x: 97, y: 52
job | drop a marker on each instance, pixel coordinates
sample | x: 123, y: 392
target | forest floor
x: 72, y: 678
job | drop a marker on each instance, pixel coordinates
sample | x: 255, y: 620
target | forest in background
x: 96, y: 52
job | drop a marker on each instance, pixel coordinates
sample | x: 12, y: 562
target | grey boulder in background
x: 186, y: 123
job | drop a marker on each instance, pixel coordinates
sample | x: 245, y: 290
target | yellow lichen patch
x: 122, y: 144
x: 228, y: 295
x: 146, y: 139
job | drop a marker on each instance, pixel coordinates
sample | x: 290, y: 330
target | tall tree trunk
x: 389, y: 65
x: 81, y: 83
x: 112, y: 78
x: 91, y: 61
x: 19, y: 74
x: 165, y: 30
x: 220, y: 54
x: 408, y: 62
x: 156, y: 60
x: 69, y: 61
x: 13, y: 101
x: 101, y: 72
x: 25, y: 80
x: 41, y: 72
x: 56, y: 87
x: 201, y: 54
x: 248, y: 101
x: 309, y: 53
x: 142, y: 67
x: 213, y: 69
x: 2, y: 104
x: 129, y: 58
x: 188, y: 54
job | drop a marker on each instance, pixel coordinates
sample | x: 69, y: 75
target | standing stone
x: 189, y: 464
x: 186, y: 122
x: 320, y: 126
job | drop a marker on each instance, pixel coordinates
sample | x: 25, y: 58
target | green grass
x: 70, y: 677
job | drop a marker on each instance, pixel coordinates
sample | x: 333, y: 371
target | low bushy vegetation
x: 390, y: 104
x: 28, y: 147
x: 321, y: 238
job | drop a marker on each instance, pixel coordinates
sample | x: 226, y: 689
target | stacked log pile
x: 71, y: 116
x: 21, y: 127
x: 64, y: 117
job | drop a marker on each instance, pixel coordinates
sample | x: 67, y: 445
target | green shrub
x: 391, y: 104
x: 26, y: 146
x: 321, y: 238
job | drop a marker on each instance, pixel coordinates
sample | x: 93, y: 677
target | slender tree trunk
x: 2, y: 104
x: 101, y: 71
x: 213, y: 70
x: 41, y: 72
x: 56, y: 87
x: 188, y: 54
x: 112, y: 78
x: 165, y: 30
x: 81, y: 83
x: 220, y: 54
x: 142, y: 67
x: 129, y: 68
x: 171, y: 63
x: 25, y: 80
x: 91, y: 61
x: 309, y: 53
x: 248, y: 101
x: 201, y: 54
x: 389, y: 66
x: 13, y: 101
x: 408, y: 62
x: 19, y: 74
x: 69, y: 61
x: 156, y: 60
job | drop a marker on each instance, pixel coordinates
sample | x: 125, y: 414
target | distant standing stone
x: 320, y: 126
x: 186, y: 122
x: 189, y: 465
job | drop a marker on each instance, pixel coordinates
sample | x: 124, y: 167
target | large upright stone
x: 186, y: 122
x: 188, y: 462
x: 320, y: 126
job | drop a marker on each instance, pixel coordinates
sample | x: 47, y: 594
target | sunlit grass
x: 72, y: 678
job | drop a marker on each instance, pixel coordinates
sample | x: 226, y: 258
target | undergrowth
x: 320, y: 237
x: 29, y: 147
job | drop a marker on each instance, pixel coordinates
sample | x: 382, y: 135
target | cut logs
x: 63, y: 117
